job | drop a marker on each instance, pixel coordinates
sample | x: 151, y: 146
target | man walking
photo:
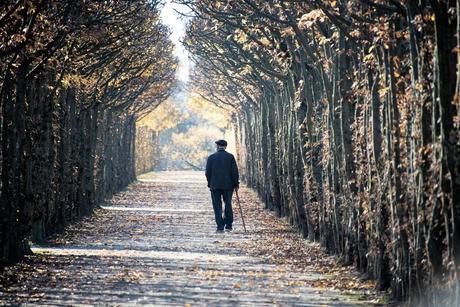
x: 222, y: 176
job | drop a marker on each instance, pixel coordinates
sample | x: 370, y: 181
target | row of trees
x: 147, y: 149
x: 347, y: 115
x: 74, y: 77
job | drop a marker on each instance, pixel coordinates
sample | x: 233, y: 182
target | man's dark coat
x: 222, y: 171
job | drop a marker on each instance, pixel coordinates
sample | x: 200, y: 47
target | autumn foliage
x: 74, y: 78
x: 347, y: 113
x: 183, y: 130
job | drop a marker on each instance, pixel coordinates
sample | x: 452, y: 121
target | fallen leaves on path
x: 275, y: 240
x: 155, y: 242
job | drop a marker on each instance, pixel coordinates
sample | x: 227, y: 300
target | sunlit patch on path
x: 159, y: 255
x: 155, y: 243
x: 151, y: 209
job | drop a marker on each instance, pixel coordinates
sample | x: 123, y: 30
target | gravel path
x: 155, y: 244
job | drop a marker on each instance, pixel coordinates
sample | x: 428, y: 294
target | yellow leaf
x: 265, y: 41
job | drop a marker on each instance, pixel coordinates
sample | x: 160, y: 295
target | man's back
x: 222, y: 171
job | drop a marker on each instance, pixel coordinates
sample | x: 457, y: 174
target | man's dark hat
x: 221, y: 142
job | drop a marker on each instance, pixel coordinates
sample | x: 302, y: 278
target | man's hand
x: 236, y: 189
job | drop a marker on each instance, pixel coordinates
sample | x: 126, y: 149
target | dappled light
x: 230, y: 152
x: 168, y: 255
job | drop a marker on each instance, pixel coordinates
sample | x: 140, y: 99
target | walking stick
x: 241, y: 210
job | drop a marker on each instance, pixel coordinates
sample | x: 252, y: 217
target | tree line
x: 147, y: 149
x: 347, y: 117
x: 74, y: 78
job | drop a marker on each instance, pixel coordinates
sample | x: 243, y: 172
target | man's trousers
x: 217, y: 196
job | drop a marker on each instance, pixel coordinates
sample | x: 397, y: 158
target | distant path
x: 156, y: 244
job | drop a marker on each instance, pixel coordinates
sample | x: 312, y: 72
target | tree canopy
x: 348, y: 124
x: 74, y: 78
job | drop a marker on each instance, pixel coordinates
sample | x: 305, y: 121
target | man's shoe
x: 228, y: 229
x: 219, y: 230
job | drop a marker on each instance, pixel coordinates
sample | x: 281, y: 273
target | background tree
x: 186, y: 128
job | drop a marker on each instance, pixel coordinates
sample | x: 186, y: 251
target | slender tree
x: 74, y: 78
x: 347, y: 112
